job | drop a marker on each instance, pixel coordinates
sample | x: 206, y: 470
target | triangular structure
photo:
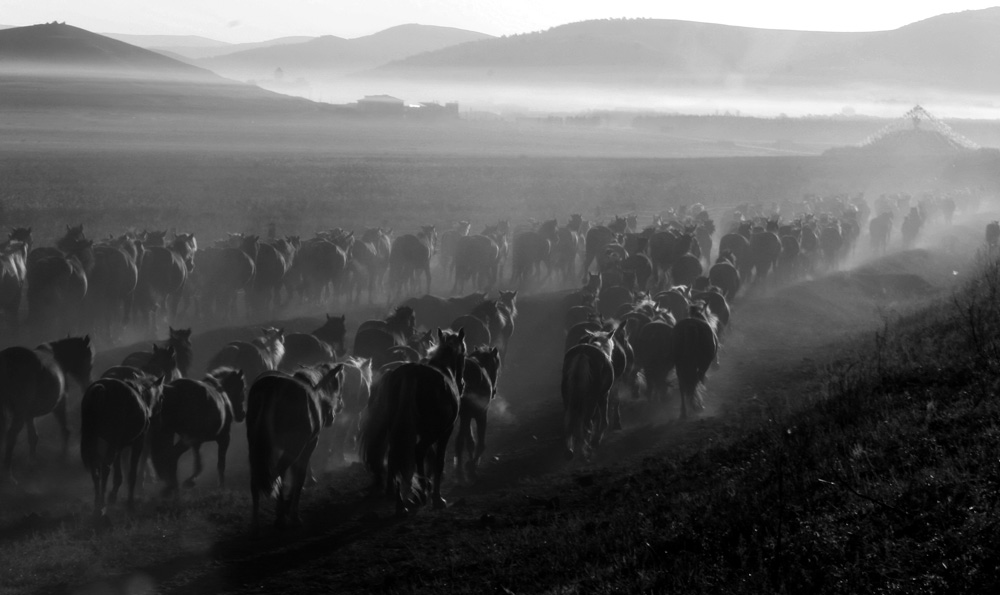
x: 919, y: 120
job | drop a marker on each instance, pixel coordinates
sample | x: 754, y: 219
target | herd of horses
x: 653, y: 302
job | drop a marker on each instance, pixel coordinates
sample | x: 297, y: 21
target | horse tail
x: 90, y: 419
x: 403, y: 437
x: 374, y: 431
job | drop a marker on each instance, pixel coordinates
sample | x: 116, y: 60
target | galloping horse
x: 412, y: 412
x: 196, y: 411
x: 696, y: 343
x: 33, y: 384
x: 410, y: 255
x: 587, y: 376
x: 284, y: 417
x: 482, y: 372
x: 115, y: 415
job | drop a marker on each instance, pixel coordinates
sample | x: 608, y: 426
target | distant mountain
x: 329, y: 56
x: 195, y: 52
x: 57, y: 65
x: 950, y: 51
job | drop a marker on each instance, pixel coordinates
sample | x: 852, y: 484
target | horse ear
x: 86, y: 340
x: 461, y: 334
x: 328, y: 318
x: 495, y: 351
x: 440, y: 335
x: 343, y: 317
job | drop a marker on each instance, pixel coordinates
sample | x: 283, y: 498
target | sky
x: 237, y: 21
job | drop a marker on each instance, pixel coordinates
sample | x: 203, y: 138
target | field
x: 849, y: 446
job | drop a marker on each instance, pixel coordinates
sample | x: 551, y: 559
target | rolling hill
x: 952, y: 51
x: 61, y: 66
x: 330, y: 56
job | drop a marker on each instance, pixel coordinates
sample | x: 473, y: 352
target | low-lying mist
x: 736, y: 98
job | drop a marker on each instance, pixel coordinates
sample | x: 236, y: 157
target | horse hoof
x: 311, y: 481
x: 440, y: 503
x: 568, y: 454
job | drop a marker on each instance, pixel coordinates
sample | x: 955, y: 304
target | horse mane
x: 702, y: 311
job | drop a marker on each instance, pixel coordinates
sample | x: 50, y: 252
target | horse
x: 162, y: 275
x: 274, y: 260
x: 499, y: 317
x: 179, y: 340
x: 482, y: 372
x: 695, y: 345
x: 411, y: 254
x: 111, y: 283
x: 223, y: 272
x: 196, y: 411
x: 529, y: 251
x: 33, y: 384
x: 725, y: 275
x: 319, y: 266
x: 261, y: 355
x: 375, y: 337
x: 477, y: 333
x: 13, y: 272
x: 477, y: 260
x: 284, y: 417
x: 597, y: 238
x: 57, y: 283
x: 880, y: 228
x: 116, y: 415
x: 355, y: 392
x: 587, y: 376
x: 449, y: 243
x: 765, y: 250
x: 321, y: 345
x: 411, y: 414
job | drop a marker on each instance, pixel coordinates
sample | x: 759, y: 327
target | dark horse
x: 57, y: 283
x: 482, y: 371
x: 196, y: 411
x: 587, y: 375
x: 162, y: 275
x: 696, y: 342
x: 284, y: 417
x: 412, y: 411
x: 115, y: 415
x: 411, y: 254
x: 33, y: 384
x: 12, y: 276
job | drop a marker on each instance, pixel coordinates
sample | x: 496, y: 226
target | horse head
x: 233, y: 383
x: 449, y: 355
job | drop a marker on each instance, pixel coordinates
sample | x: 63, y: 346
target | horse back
x: 31, y: 382
x: 282, y: 412
x: 113, y: 411
x: 194, y: 409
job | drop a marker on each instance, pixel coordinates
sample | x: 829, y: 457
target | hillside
x: 60, y: 66
x: 329, y: 56
x: 652, y: 52
x: 54, y: 48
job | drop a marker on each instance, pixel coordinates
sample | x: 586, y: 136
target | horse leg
x: 420, y: 456
x: 300, y: 468
x: 32, y: 438
x: 60, y: 413
x: 105, y: 471
x: 223, y: 443
x: 480, y: 442
x: 95, y: 476
x: 196, y: 450
x: 138, y: 446
x: 439, y: 456
x: 463, y: 440
x: 15, y: 428
x: 117, y: 464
